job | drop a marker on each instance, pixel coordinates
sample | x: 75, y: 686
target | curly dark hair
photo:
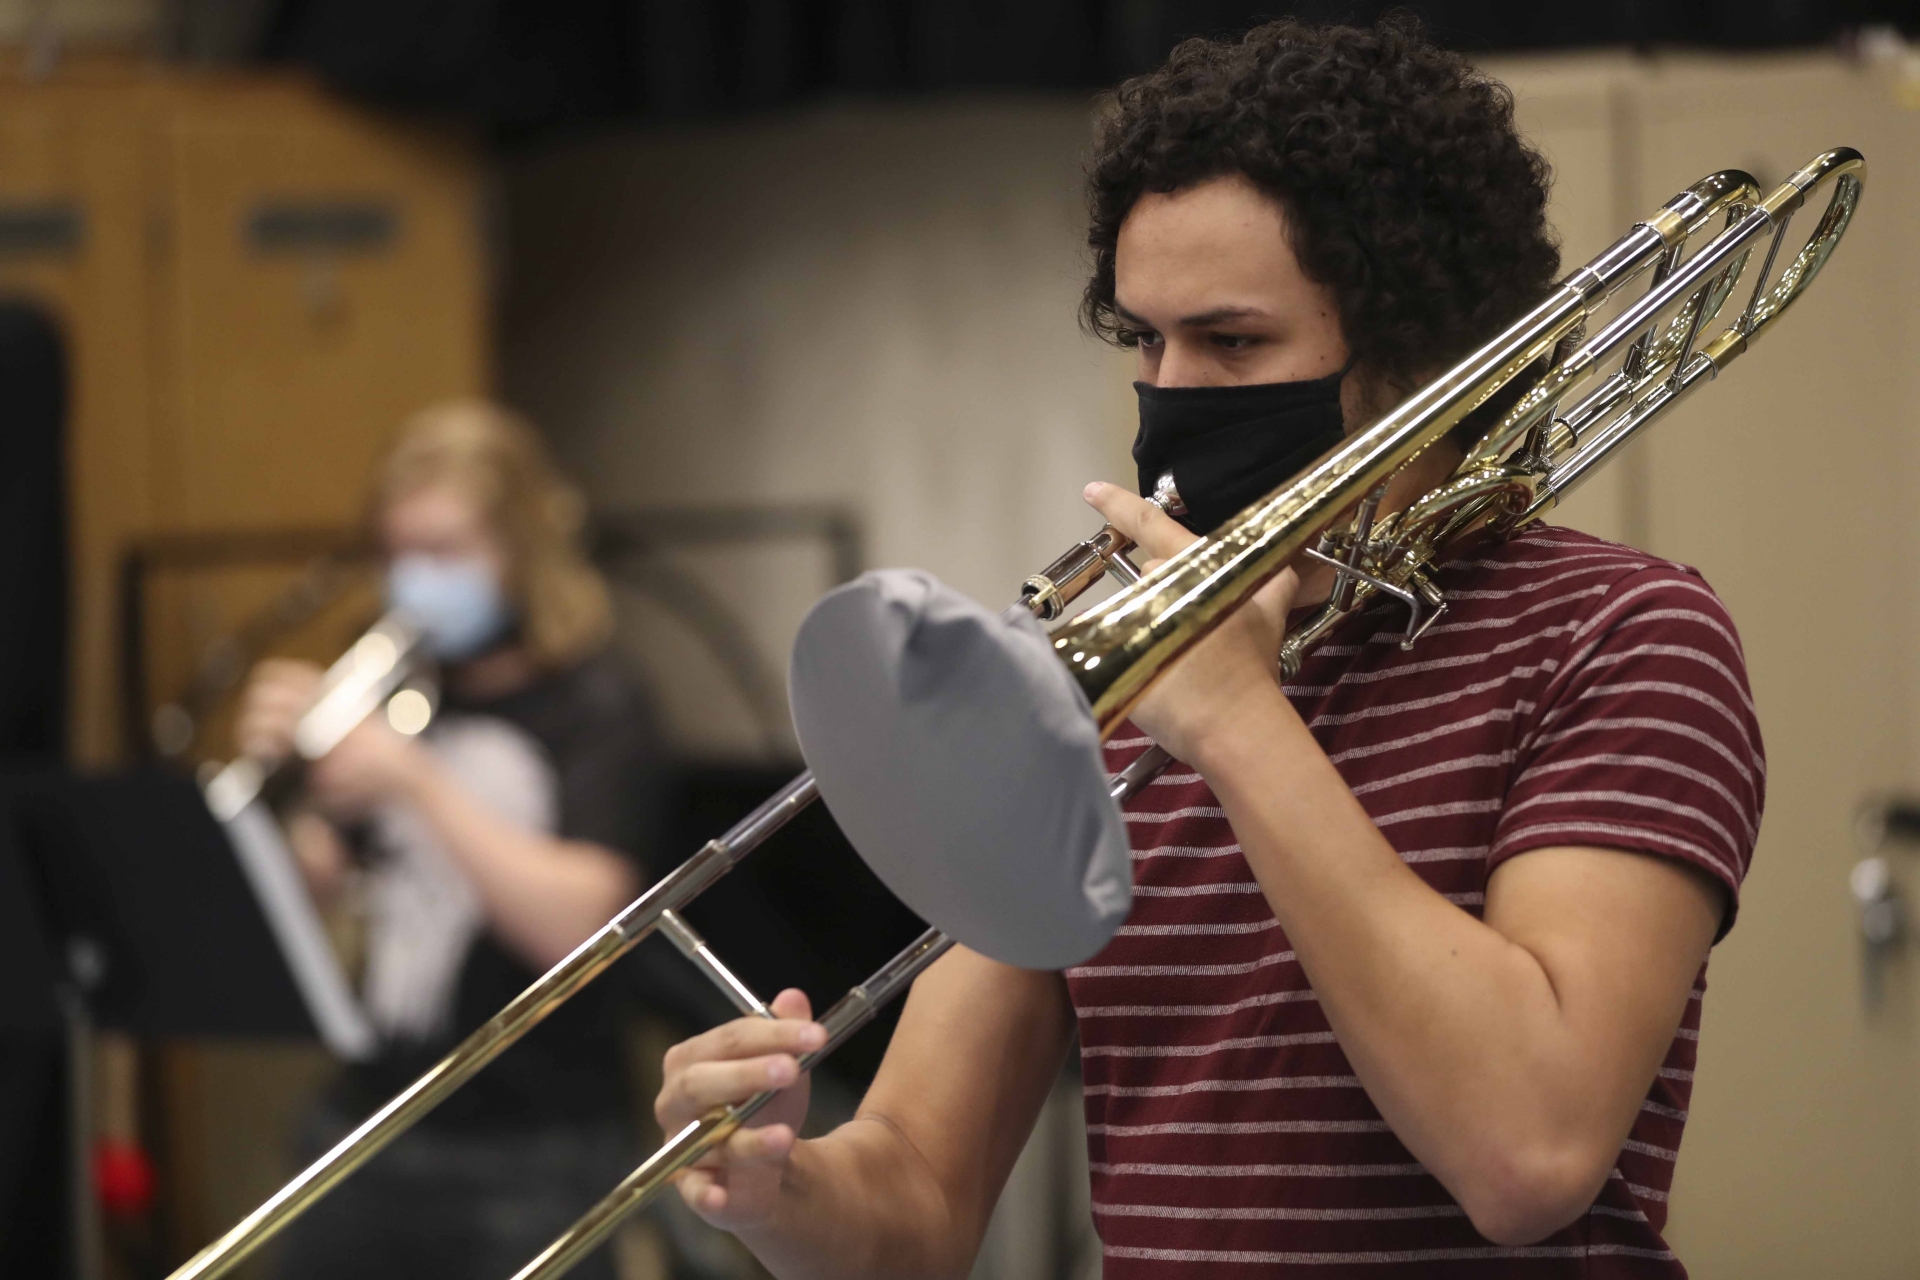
x: 1408, y: 192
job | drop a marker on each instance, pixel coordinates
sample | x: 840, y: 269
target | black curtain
x: 33, y: 640
x: 33, y: 585
x: 518, y: 66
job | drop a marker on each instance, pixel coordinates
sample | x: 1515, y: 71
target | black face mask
x: 1227, y: 446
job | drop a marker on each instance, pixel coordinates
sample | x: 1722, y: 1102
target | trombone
x: 379, y: 668
x: 1538, y: 451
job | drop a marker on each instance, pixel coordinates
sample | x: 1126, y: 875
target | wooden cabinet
x: 257, y: 284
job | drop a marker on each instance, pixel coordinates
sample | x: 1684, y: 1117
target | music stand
x: 139, y: 883
x: 133, y: 915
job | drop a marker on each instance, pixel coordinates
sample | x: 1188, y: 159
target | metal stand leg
x: 83, y: 1213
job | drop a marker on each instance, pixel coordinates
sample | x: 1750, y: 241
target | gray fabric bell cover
x: 962, y: 762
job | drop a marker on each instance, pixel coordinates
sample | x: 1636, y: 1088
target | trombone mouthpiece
x: 1166, y: 496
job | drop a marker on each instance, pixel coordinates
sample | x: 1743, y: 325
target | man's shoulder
x: 1568, y: 590
x: 1543, y: 563
x: 1599, y: 601
x: 1548, y: 549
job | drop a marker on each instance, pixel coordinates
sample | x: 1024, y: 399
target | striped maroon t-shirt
x: 1577, y: 693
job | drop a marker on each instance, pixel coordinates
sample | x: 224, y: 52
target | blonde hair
x: 496, y: 456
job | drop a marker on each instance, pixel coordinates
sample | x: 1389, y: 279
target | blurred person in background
x: 1411, y: 983
x: 482, y: 851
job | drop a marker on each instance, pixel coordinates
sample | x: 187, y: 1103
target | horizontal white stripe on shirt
x: 1648, y: 1149
x: 1459, y: 853
x: 1195, y: 930
x: 1178, y: 970
x: 1265, y: 1257
x: 1229, y: 850
x: 1202, y: 1050
x: 1498, y: 715
x: 1239, y: 1127
x: 1327, y: 720
x: 1264, y: 999
x: 1174, y: 815
x: 1525, y: 588
x: 1659, y: 764
x: 1633, y: 799
x: 1670, y: 687
x: 1447, y: 809
x: 1571, y: 830
x: 1262, y: 1085
x: 1279, y: 1213
x: 1194, y: 890
x: 1658, y: 724
x: 1458, y: 764
x: 1152, y: 1170
x: 1608, y: 1211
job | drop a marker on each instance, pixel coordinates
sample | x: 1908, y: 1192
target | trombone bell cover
x: 963, y: 764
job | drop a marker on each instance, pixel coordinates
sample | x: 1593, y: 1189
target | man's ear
x: 1366, y: 394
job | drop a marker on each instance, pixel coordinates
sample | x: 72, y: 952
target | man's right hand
x: 278, y: 693
x: 738, y: 1186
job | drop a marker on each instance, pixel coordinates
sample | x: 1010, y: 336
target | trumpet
x: 385, y: 668
x: 1538, y: 451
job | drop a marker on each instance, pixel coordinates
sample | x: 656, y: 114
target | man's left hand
x: 1232, y: 674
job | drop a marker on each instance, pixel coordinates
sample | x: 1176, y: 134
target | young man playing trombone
x: 1411, y: 983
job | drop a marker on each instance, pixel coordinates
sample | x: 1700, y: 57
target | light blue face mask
x: 457, y: 602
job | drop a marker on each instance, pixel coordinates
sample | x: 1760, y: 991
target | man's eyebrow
x: 1198, y: 320
x: 1201, y: 319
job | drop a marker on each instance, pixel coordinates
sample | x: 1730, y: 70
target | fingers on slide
x: 736, y: 1060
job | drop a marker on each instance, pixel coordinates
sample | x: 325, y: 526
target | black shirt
x: 597, y: 733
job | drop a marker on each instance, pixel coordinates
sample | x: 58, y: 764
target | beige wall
x: 866, y: 306
x: 875, y: 306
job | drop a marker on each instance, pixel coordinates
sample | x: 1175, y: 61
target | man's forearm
x: 860, y: 1204
x: 906, y: 1188
x: 1457, y: 1031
